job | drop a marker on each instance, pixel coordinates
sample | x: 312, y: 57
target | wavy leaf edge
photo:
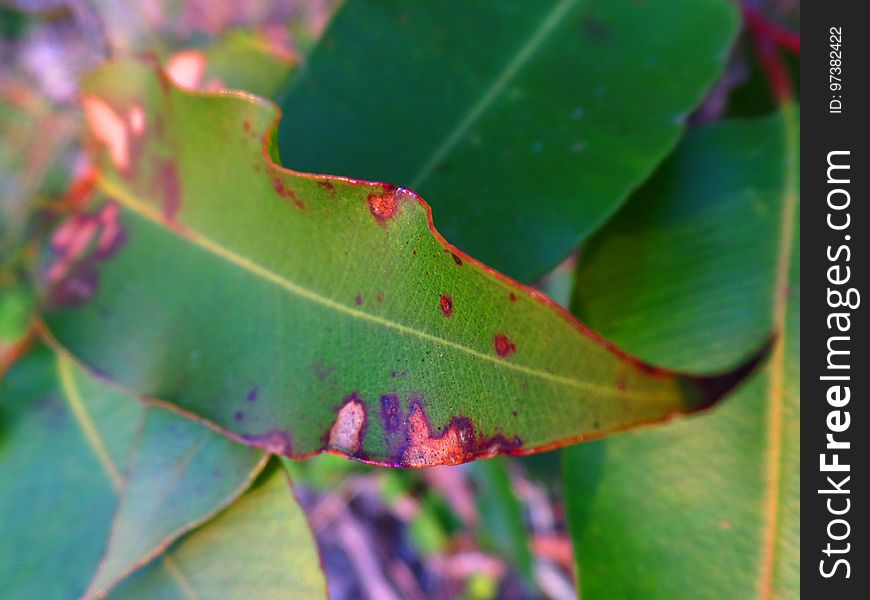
x: 715, y: 386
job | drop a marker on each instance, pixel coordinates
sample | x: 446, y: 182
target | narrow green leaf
x: 59, y: 457
x: 180, y: 474
x: 302, y: 313
x: 65, y: 438
x: 708, y: 507
x: 260, y: 547
x: 525, y: 124
x: 503, y: 528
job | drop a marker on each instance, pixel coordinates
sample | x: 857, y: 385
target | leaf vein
x: 149, y: 213
x: 523, y: 55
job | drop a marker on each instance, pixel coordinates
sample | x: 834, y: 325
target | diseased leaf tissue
x: 302, y: 313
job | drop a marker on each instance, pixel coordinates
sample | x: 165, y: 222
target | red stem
x: 767, y: 37
x: 762, y: 27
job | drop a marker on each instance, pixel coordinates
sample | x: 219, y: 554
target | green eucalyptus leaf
x: 525, y: 124
x: 260, y: 547
x: 708, y: 507
x: 65, y: 438
x: 180, y: 474
x: 302, y: 313
x: 503, y: 528
x: 61, y: 463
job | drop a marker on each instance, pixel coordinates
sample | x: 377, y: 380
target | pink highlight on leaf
x: 136, y: 119
x: 70, y: 242
x: 78, y: 245
x: 186, y: 68
x: 109, y: 129
x: 111, y: 235
x: 347, y: 431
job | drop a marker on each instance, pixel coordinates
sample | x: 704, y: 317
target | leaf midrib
x: 95, y: 441
x: 776, y: 414
x: 144, y: 210
x: 86, y: 423
x: 522, y: 56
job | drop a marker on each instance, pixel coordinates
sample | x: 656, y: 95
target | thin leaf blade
x: 346, y: 322
x: 708, y: 507
x: 259, y: 547
x: 56, y: 495
x: 173, y: 462
x: 67, y: 477
x: 519, y: 121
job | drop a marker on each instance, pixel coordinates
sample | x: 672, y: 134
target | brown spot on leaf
x: 321, y: 371
x: 424, y: 448
x: 285, y: 191
x: 168, y: 186
x: 620, y: 382
x: 504, y: 347
x: 456, y: 443
x: 239, y: 416
x: 326, y: 184
x: 512, y: 297
x: 384, y: 206
x: 348, y: 430
x: 358, y: 300
x: 456, y: 258
x: 446, y: 305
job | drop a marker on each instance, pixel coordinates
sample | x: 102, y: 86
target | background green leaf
x: 63, y: 429
x: 180, y: 474
x: 524, y: 124
x: 300, y: 313
x: 260, y: 547
x: 58, y: 475
x: 707, y: 507
x: 503, y: 526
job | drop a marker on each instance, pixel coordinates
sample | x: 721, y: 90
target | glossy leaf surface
x: 180, y: 474
x: 524, y: 124
x: 260, y: 547
x: 59, y: 471
x: 301, y: 313
x: 64, y: 450
x: 707, y: 507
